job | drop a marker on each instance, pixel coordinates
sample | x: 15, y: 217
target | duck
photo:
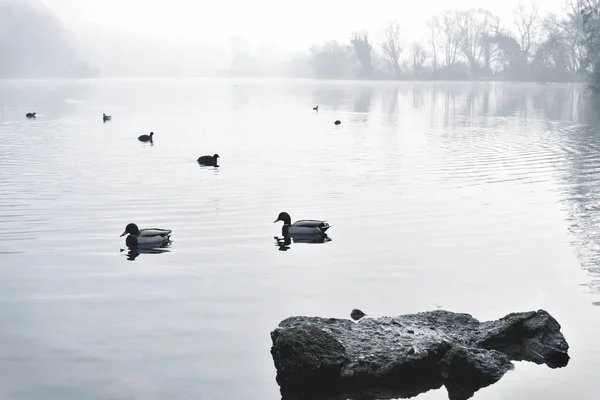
x: 302, y: 227
x: 146, y: 138
x: 316, y: 108
x: 106, y: 117
x: 30, y: 115
x: 337, y: 122
x: 145, y: 237
x: 208, y: 160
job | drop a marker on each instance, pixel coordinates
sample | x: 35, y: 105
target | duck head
x: 151, y: 134
x: 285, y: 217
x: 216, y: 156
x: 131, y: 229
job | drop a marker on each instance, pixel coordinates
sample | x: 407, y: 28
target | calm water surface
x: 477, y: 198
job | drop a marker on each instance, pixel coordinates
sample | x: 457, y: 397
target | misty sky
x: 295, y: 25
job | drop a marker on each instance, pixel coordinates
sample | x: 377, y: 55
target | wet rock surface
x: 403, y: 356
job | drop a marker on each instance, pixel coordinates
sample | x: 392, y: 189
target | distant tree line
x: 474, y: 44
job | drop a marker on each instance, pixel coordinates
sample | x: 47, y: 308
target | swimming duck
x: 30, y: 115
x: 106, y: 117
x: 302, y: 227
x: 316, y: 108
x: 208, y: 160
x: 146, y: 138
x: 337, y: 122
x: 145, y: 237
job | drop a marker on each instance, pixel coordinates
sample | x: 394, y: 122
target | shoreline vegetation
x: 456, y: 45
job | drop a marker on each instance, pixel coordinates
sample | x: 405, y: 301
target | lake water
x: 480, y: 198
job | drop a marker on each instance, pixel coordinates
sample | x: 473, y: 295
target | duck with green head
x: 145, y: 237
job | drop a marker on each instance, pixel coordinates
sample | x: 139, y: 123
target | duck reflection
x: 133, y: 252
x: 284, y: 241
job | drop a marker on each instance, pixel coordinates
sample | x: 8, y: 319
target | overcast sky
x: 296, y: 25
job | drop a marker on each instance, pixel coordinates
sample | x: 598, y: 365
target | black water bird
x: 209, y: 160
x: 146, y: 138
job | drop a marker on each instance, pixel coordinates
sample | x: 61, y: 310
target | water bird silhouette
x: 30, y: 115
x: 145, y: 237
x: 316, y: 108
x: 209, y: 160
x: 146, y: 138
x: 106, y: 117
x: 301, y: 227
x: 337, y: 122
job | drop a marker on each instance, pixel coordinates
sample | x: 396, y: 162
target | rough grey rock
x: 403, y: 356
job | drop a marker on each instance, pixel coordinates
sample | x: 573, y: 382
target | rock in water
x: 409, y: 354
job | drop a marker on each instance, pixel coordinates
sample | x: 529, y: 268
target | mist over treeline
x: 469, y: 44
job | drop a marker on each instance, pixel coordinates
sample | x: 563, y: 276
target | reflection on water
x: 284, y: 242
x: 479, y: 196
x: 133, y: 252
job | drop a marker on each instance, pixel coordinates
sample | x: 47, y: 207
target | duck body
x: 146, y: 138
x: 145, y: 237
x: 337, y: 122
x: 303, y: 227
x: 30, y: 115
x: 208, y: 160
x: 106, y: 117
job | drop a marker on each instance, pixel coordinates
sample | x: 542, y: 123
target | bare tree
x: 572, y: 27
x: 527, y: 22
x: 590, y: 10
x: 392, y: 45
x: 448, y: 35
x: 475, y: 26
x: 433, y: 26
x: 418, y: 57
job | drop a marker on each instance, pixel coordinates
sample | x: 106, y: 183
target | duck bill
x: 123, y: 234
x: 277, y: 220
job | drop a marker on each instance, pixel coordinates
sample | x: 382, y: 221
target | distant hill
x: 34, y: 44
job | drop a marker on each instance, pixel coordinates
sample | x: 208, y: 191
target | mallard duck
x: 146, y: 138
x: 106, y: 117
x: 302, y: 227
x: 145, y: 237
x: 208, y: 160
x: 30, y: 115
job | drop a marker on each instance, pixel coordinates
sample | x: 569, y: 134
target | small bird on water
x: 302, y: 227
x: 30, y: 115
x: 337, y: 122
x: 208, y: 160
x: 145, y: 237
x: 146, y: 138
x: 357, y: 314
x: 316, y: 108
x: 106, y: 117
